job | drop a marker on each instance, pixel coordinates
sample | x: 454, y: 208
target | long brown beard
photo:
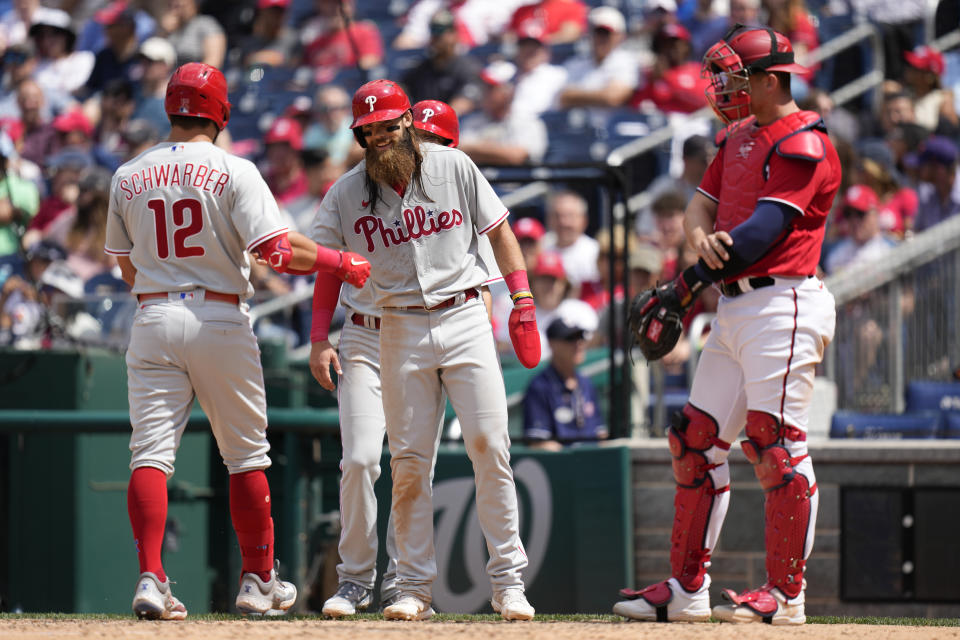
x: 394, y: 166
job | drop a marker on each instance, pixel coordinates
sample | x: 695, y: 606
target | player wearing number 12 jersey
x: 181, y: 219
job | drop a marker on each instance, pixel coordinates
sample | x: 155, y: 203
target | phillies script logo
x: 416, y: 223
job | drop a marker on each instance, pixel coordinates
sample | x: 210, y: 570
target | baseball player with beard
x: 362, y: 424
x: 415, y: 210
x: 182, y: 216
x: 757, y: 222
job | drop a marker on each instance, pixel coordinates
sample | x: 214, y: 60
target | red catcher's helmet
x: 198, y: 90
x: 729, y: 63
x: 376, y: 101
x: 437, y: 117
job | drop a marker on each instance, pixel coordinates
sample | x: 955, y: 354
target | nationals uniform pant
x: 761, y: 355
x: 424, y: 353
x: 184, y: 344
x: 362, y: 429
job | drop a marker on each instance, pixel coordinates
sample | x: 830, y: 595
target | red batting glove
x: 354, y: 269
x: 524, y: 334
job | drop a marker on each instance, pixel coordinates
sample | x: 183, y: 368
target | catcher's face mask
x: 729, y: 89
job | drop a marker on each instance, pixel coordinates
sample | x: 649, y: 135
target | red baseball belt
x: 215, y: 296
x: 370, y: 322
x: 468, y: 294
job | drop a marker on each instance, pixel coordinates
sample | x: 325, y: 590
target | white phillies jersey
x: 186, y: 214
x: 422, y: 248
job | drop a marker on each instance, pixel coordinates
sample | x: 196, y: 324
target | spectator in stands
x: 19, y: 201
x: 934, y: 105
x: 607, y: 76
x: 707, y: 24
x: 698, y: 151
x: 939, y: 193
x: 896, y: 202
x: 15, y: 23
x: 321, y: 173
x: 674, y: 83
x: 20, y: 309
x: 301, y: 110
x: 475, y: 22
x: 66, y: 168
x: 119, y: 58
x: 551, y: 289
x: 331, y: 129
x: 116, y: 108
x: 668, y: 234
x: 330, y: 46
x: 896, y: 107
x: 529, y: 233
x: 864, y: 243
x: 567, y: 221
x: 285, y: 176
x: 16, y: 163
x: 554, y: 21
x: 445, y: 74
x: 39, y: 136
x: 596, y: 293
x: 92, y: 34
x: 272, y: 42
x: 138, y: 136
x: 905, y: 140
x: 82, y: 229
x: 74, y: 131
x: 792, y: 19
x: 17, y: 64
x: 497, y: 135
x: 841, y: 124
x: 158, y: 59
x: 745, y: 12
x: 195, y: 37
x: 59, y: 69
x: 899, y: 21
x: 561, y: 406
x: 538, y: 82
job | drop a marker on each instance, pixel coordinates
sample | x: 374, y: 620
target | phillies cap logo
x: 428, y: 113
x: 371, y: 100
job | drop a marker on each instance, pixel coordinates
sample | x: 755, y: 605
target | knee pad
x: 690, y: 435
x: 773, y: 459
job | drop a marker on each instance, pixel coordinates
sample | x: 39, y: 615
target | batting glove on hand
x: 354, y: 269
x: 524, y: 334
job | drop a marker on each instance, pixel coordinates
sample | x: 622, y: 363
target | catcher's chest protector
x: 746, y: 155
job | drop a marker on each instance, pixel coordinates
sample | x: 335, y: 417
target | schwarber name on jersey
x: 423, y: 247
x: 186, y: 214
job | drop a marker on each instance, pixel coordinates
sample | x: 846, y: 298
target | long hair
x: 416, y: 181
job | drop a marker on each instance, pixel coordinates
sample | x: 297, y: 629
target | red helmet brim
x: 793, y: 67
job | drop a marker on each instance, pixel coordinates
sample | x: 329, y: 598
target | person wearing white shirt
x: 865, y: 242
x: 567, y: 219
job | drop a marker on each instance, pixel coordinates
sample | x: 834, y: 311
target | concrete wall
x: 738, y: 562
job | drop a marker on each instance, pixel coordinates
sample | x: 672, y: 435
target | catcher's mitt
x: 655, y: 324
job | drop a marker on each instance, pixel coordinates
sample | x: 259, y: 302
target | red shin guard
x: 250, y: 512
x: 147, y: 507
x: 788, y: 504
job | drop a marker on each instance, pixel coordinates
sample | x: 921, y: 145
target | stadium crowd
x: 83, y: 84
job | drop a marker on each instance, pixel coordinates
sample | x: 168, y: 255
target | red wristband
x: 326, y: 293
x: 517, y: 281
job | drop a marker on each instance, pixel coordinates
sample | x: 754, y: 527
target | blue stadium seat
x: 570, y: 135
x: 933, y: 395
x: 915, y: 425
x: 951, y: 425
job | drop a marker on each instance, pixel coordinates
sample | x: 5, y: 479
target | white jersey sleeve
x: 485, y: 207
x: 117, y: 241
x: 255, y: 213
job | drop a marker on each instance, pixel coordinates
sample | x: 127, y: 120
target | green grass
x: 483, y: 617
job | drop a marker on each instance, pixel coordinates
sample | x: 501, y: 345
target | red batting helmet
x: 437, y: 117
x: 729, y: 63
x: 376, y: 101
x: 199, y: 90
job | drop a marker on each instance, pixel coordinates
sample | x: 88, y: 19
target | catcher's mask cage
x: 729, y: 63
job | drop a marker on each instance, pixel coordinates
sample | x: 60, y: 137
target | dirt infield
x: 49, y: 629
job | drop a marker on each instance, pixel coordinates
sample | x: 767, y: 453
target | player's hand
x: 322, y: 355
x: 354, y: 269
x: 712, y: 249
x: 524, y: 334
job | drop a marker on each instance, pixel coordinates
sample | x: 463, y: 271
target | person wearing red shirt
x: 330, y: 46
x: 286, y: 178
x: 557, y: 21
x: 757, y: 223
x: 674, y: 83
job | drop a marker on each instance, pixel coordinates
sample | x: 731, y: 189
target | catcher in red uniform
x: 757, y: 223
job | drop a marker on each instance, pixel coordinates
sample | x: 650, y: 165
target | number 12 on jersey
x: 183, y: 229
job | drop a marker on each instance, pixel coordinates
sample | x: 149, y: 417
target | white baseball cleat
x: 766, y: 604
x: 512, y: 604
x: 408, y: 608
x: 349, y: 598
x: 154, y: 600
x: 667, y: 601
x: 257, y: 597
